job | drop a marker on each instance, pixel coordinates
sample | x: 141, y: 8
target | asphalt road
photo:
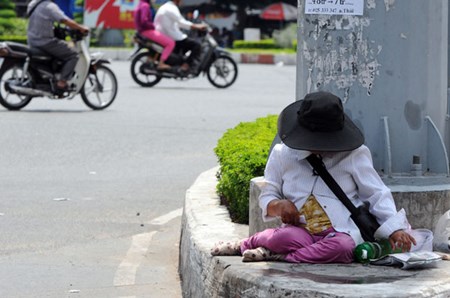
x: 90, y: 201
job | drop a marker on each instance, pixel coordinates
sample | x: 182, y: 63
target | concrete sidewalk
x: 205, y: 222
x: 279, y: 59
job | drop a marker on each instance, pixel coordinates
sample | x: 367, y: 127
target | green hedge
x: 15, y: 38
x: 13, y: 26
x: 6, y: 14
x: 7, y: 5
x: 78, y: 16
x: 242, y: 152
x: 262, y: 44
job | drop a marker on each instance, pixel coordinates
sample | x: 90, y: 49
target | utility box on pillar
x: 388, y: 62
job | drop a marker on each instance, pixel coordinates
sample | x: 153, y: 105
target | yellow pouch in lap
x: 317, y: 220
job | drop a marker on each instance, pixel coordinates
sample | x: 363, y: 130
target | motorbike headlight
x: 4, y: 49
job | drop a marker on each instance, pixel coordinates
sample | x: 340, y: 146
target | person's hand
x: 289, y: 213
x: 200, y: 27
x: 401, y: 239
x: 74, y: 25
x: 84, y: 29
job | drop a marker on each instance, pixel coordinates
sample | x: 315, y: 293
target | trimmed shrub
x: 13, y: 26
x: 6, y: 25
x: 7, y: 4
x: 78, y: 16
x: 6, y: 14
x: 15, y: 38
x: 242, y: 152
x: 7, y: 9
x: 262, y: 44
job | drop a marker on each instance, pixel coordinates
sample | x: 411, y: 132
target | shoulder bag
x: 365, y: 221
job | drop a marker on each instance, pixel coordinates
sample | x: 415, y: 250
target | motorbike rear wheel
x: 143, y: 70
x: 222, y: 72
x: 100, y: 88
x: 14, y: 75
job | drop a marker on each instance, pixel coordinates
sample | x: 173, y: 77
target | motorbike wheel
x: 222, y: 72
x: 14, y: 75
x: 143, y: 71
x: 100, y: 88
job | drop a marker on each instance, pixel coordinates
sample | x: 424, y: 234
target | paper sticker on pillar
x: 335, y: 7
x: 341, y: 57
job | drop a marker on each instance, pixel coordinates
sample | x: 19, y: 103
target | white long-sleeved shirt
x: 288, y: 175
x: 168, y: 20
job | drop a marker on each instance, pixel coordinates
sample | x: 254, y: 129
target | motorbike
x: 216, y: 63
x: 28, y: 72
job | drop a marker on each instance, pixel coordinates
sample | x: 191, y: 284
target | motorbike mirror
x: 195, y: 14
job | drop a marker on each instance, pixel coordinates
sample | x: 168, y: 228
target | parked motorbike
x: 218, y: 65
x: 27, y: 73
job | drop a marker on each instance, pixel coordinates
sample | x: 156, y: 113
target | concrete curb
x: 205, y: 222
x: 278, y: 59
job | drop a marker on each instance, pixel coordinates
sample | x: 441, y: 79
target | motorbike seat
x: 148, y: 43
x: 18, y: 49
x: 18, y: 46
x: 38, y: 54
x: 32, y: 52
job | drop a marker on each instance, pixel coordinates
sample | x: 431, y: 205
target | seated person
x: 318, y: 125
x: 143, y: 19
x: 42, y: 14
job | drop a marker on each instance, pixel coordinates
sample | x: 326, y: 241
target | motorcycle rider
x: 168, y: 20
x: 143, y: 19
x: 42, y: 14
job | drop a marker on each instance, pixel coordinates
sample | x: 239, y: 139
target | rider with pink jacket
x: 143, y: 18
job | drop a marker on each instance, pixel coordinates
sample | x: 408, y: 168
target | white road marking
x: 162, y: 220
x: 126, y: 272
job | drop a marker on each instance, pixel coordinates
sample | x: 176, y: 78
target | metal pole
x: 389, y: 66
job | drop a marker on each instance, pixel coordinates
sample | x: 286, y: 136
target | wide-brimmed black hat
x: 318, y: 123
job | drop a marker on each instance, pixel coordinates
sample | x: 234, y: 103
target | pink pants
x: 301, y: 247
x: 165, y: 41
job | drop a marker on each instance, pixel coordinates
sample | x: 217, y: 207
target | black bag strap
x: 322, y: 171
x: 365, y: 221
x: 33, y: 9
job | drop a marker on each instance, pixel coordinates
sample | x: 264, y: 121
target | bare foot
x: 184, y: 67
x: 61, y: 85
x: 163, y: 66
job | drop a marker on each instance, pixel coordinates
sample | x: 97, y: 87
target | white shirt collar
x: 299, y: 154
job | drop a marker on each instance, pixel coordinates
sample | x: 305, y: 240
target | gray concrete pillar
x: 388, y: 62
x: 389, y: 66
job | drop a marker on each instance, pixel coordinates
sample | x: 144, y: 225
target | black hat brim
x: 298, y: 137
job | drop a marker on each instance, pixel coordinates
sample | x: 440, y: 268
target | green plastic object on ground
x: 367, y: 251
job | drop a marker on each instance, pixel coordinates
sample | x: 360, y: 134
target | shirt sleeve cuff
x: 185, y: 24
x: 395, y: 223
x: 263, y: 203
